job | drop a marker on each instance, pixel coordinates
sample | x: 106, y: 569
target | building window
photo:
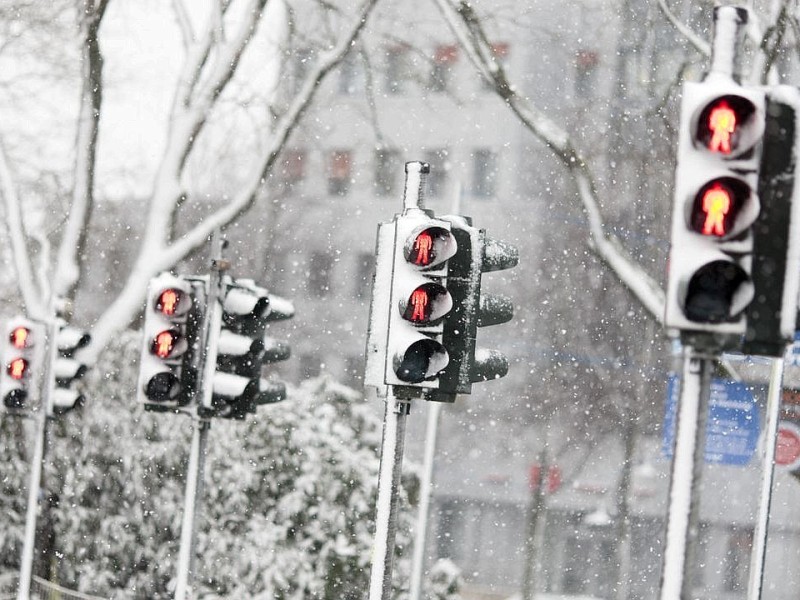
x: 350, y: 75
x: 387, y: 161
x: 364, y: 269
x: 339, y: 166
x: 293, y: 169
x: 396, y: 69
x: 484, y: 173
x: 444, y: 57
x: 437, y: 178
x: 319, y: 274
x: 737, y: 560
x: 586, y: 62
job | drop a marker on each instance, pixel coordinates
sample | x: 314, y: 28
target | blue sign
x: 793, y: 356
x: 733, y: 423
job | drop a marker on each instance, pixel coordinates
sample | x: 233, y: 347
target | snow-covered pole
x: 46, y: 384
x: 757, y: 558
x: 394, y: 431
x: 197, y: 455
x: 687, y: 465
x: 729, y: 23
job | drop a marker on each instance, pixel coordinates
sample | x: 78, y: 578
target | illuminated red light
x: 17, y: 368
x: 164, y: 344
x: 168, y: 302
x: 422, y: 252
x: 419, y: 303
x: 722, y: 124
x: 717, y: 203
x: 19, y: 337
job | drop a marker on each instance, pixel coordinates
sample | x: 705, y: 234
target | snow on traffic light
x: 22, y: 347
x: 716, y: 204
x: 242, y: 348
x: 472, y: 308
x: 171, y: 325
x: 67, y: 369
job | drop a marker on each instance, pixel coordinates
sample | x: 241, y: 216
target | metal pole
x: 197, y: 455
x: 418, y: 560
x: 687, y: 465
x: 26, y: 566
x: 46, y: 381
x: 757, y: 559
x: 194, y: 492
x: 394, y: 430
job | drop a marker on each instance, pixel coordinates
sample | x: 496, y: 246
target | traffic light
x: 67, y: 369
x: 243, y: 348
x: 418, y: 299
x: 22, y: 358
x: 716, y: 204
x: 172, y: 320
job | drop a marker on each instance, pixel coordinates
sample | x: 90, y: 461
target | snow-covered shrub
x: 287, y: 510
x: 444, y: 581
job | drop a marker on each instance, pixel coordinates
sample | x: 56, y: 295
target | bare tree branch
x: 699, y: 43
x: 466, y: 25
x: 157, y: 253
x: 184, y: 24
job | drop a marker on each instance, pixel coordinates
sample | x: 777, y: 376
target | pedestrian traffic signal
x: 716, y: 204
x: 172, y: 322
x: 243, y: 348
x: 419, y: 299
x: 67, y: 369
x: 21, y: 354
x: 472, y: 308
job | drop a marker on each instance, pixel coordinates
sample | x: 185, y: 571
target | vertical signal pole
x: 45, y: 382
x: 687, y: 464
x: 394, y: 430
x: 212, y: 314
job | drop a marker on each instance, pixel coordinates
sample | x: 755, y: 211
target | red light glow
x: 419, y: 302
x: 722, y: 123
x: 164, y: 344
x: 18, y: 368
x: 423, y: 246
x: 716, y: 206
x: 168, y: 301
x: 19, y: 337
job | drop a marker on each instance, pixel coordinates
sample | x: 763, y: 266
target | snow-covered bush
x: 287, y: 510
x: 444, y: 581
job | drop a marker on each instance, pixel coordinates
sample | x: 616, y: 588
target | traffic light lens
x: 167, y: 344
x: 711, y: 291
x: 20, y: 337
x: 162, y: 387
x: 717, y: 206
x: 422, y: 360
x: 720, y: 125
x: 430, y: 247
x: 171, y: 302
x: 17, y: 368
x: 421, y: 307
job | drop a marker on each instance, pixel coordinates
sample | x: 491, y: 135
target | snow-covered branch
x: 467, y: 27
x: 158, y: 251
x: 695, y: 40
x: 16, y: 233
